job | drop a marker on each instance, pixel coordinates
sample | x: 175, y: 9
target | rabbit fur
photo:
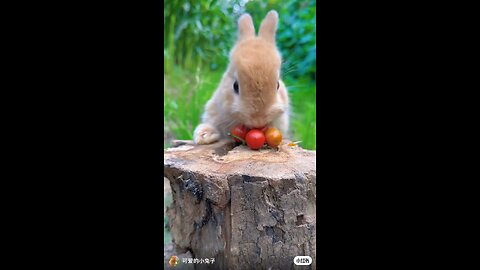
x: 262, y: 98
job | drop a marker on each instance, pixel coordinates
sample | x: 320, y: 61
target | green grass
x: 186, y: 93
x: 185, y: 96
x: 303, y: 116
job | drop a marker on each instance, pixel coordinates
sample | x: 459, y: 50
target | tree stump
x: 245, y: 209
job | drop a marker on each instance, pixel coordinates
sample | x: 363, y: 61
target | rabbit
x: 250, y: 92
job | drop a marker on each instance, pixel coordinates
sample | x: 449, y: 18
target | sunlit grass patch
x: 185, y: 96
x: 303, y: 117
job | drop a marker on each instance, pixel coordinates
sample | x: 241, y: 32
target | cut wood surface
x: 245, y: 209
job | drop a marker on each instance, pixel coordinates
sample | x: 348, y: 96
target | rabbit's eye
x: 235, y: 87
x: 278, y: 85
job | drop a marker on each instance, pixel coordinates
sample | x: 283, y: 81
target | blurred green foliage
x: 296, y: 35
x: 203, y: 32
x: 197, y: 32
x: 187, y: 95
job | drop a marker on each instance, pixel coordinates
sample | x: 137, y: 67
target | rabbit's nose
x: 258, y: 125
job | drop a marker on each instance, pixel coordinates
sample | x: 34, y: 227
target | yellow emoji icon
x: 173, y: 260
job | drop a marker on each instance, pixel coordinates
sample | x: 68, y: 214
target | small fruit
x: 273, y: 137
x: 255, y: 139
x: 239, y: 131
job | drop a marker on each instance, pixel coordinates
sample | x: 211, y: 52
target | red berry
x: 273, y: 136
x: 255, y: 139
x: 239, y: 131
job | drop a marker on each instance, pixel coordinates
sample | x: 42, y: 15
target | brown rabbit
x: 250, y: 92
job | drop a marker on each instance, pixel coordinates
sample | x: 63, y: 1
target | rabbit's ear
x: 245, y: 27
x: 269, y: 26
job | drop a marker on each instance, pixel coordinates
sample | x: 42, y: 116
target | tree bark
x: 245, y: 209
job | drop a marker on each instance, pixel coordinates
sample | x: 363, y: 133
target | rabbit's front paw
x: 205, y: 134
